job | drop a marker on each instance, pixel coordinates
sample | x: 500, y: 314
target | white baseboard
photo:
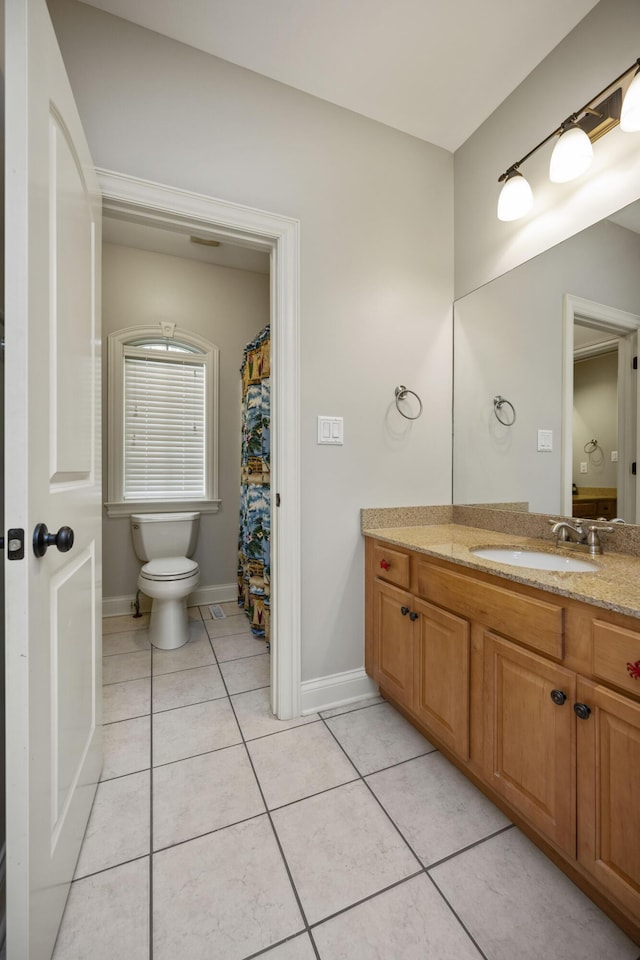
x: 218, y: 593
x: 336, y: 691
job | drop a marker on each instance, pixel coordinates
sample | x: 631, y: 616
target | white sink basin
x: 535, y: 560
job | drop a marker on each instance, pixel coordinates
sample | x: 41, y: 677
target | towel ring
x: 498, y: 403
x: 590, y: 446
x: 401, y: 394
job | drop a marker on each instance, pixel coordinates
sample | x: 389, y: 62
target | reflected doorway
x: 600, y: 415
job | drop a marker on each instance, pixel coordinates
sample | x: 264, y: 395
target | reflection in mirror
x: 514, y: 338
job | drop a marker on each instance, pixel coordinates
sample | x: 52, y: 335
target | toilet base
x: 169, y: 626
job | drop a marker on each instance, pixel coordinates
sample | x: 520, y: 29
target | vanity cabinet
x: 535, y: 696
x: 599, y: 508
x: 529, y: 737
x: 441, y: 645
x: 392, y: 649
x: 608, y: 750
x: 419, y: 655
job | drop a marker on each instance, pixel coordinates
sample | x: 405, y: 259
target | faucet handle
x: 601, y: 529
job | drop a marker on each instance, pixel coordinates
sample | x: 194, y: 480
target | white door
x: 52, y: 409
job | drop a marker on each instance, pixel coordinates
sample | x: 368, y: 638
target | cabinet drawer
x: 616, y: 656
x: 391, y: 565
x: 538, y: 624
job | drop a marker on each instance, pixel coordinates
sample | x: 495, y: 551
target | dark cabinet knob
x: 582, y: 711
x: 558, y: 697
x: 413, y: 616
x: 42, y: 539
x: 404, y: 611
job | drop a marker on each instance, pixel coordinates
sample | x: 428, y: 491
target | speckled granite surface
x: 592, y: 493
x: 615, y: 585
x: 404, y: 516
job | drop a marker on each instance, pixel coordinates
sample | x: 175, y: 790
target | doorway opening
x: 603, y: 342
x: 162, y: 208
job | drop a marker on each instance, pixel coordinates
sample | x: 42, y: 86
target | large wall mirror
x: 554, y: 338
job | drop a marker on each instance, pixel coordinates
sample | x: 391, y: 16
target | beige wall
x: 597, y: 51
x: 226, y: 306
x: 376, y: 214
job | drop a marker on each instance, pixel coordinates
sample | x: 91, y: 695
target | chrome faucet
x: 565, y: 531
x: 569, y: 532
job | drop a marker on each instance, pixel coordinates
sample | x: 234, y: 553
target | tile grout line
x: 423, y: 869
x: 387, y: 815
x: 470, y: 846
x: 455, y: 914
x: 271, y: 824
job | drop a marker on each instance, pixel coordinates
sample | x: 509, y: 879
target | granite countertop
x: 614, y: 586
x: 586, y: 494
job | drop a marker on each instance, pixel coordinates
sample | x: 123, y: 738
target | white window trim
x: 116, y: 505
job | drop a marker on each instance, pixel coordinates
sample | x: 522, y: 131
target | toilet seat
x: 169, y: 568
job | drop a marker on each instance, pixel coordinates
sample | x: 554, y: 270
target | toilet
x: 166, y: 541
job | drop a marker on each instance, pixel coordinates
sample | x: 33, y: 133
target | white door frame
x: 620, y: 323
x: 129, y: 198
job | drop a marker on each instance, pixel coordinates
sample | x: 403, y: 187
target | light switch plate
x: 331, y: 430
x: 545, y: 441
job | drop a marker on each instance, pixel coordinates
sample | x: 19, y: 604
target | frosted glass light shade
x: 571, y: 156
x: 515, y: 198
x: 630, y: 116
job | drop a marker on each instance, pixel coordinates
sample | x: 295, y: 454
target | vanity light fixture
x: 630, y: 116
x: 573, y: 151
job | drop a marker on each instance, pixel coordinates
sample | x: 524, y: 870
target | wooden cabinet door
x: 392, y: 641
x: 608, y: 743
x: 441, y: 675
x: 529, y: 754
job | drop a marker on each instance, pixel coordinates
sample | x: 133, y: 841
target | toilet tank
x: 164, y: 534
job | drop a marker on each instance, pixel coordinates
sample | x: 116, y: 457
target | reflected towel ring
x: 498, y: 403
x: 590, y: 446
x: 401, y: 394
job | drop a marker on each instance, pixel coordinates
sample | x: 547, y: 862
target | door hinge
x: 635, y: 363
x: 15, y: 544
x: 277, y: 499
x: 633, y: 468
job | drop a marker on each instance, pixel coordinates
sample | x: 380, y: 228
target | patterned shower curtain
x: 254, y: 548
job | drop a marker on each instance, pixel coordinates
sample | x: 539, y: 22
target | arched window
x: 163, y: 420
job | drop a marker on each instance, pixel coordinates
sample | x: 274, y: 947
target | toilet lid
x: 169, y: 568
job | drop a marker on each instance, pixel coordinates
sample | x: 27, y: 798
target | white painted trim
x: 336, y: 690
x: 218, y: 593
x: 623, y: 324
x: 140, y: 200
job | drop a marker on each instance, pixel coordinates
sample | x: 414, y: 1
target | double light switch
x: 330, y: 430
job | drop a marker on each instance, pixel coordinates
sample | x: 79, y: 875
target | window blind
x: 164, y: 428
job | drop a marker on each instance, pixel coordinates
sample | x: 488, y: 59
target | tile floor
x: 221, y: 833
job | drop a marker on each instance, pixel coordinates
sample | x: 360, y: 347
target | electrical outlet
x: 614, y: 456
x: 583, y: 467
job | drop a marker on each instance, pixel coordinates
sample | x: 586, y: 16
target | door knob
x: 42, y: 539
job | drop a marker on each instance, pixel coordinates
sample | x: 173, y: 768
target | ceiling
x: 143, y: 236
x: 435, y: 69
